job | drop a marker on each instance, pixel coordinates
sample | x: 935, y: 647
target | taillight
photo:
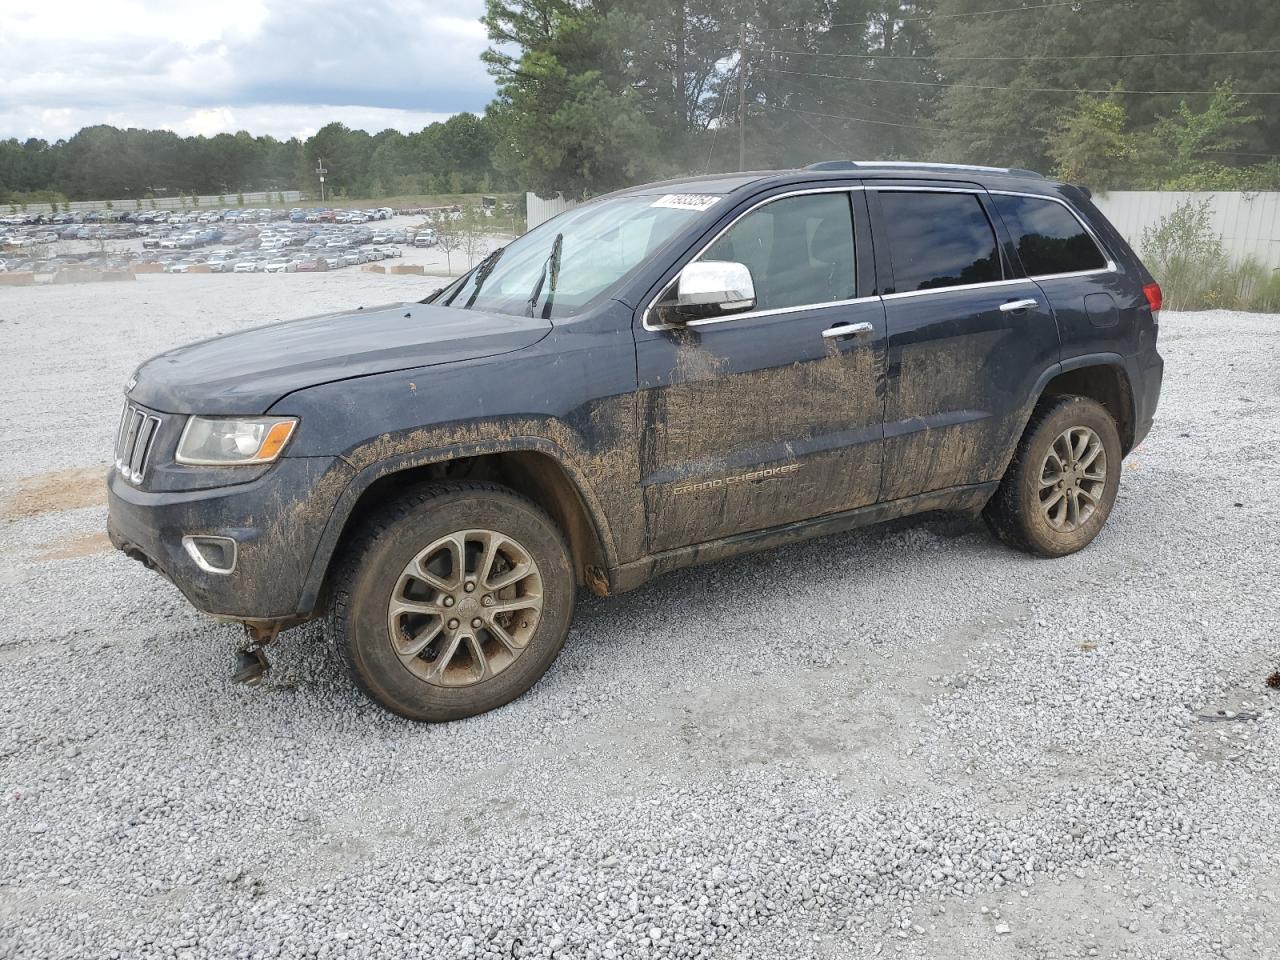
x: 1154, y: 297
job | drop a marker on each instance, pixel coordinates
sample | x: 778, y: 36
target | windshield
x: 566, y: 264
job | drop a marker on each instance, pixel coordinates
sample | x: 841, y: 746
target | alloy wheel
x: 465, y: 608
x: 1072, y: 479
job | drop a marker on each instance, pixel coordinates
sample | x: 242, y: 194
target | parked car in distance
x: 279, y: 265
x: 312, y: 265
x: 788, y: 354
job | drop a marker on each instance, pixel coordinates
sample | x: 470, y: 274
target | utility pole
x: 742, y: 97
x: 320, y: 172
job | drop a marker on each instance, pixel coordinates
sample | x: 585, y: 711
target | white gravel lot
x: 906, y: 742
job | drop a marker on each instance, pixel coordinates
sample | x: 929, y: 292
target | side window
x: 1048, y: 236
x: 799, y: 250
x: 939, y: 240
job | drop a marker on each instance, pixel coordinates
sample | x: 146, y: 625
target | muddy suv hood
x: 248, y: 371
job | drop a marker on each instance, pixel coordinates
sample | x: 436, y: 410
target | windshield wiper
x: 483, y: 269
x: 552, y: 267
x: 486, y: 265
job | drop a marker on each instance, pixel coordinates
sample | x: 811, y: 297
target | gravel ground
x: 908, y: 742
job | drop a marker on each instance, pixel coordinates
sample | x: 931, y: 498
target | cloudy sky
x: 284, y: 67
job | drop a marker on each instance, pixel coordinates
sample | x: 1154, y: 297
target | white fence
x: 540, y: 211
x: 1249, y: 222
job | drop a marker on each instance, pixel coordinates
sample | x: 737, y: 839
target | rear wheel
x: 454, y: 601
x: 1062, y: 483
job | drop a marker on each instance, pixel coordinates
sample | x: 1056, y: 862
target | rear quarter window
x: 1049, y: 237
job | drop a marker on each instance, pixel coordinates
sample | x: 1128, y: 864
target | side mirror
x: 708, y: 288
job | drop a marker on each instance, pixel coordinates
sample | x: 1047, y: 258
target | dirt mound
x: 57, y: 491
x: 85, y: 545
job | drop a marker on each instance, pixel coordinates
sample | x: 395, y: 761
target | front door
x: 774, y: 415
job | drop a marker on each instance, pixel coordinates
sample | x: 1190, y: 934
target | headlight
x: 228, y: 441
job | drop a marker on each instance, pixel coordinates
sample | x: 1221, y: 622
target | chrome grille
x: 138, y: 431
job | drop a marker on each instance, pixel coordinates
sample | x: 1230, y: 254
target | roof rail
x: 917, y: 165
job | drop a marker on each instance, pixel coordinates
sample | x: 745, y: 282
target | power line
x: 1085, y: 56
x: 799, y: 89
x: 724, y: 95
x: 742, y: 97
x: 833, y: 116
x: 1005, y: 86
x: 807, y: 122
x: 1209, y: 151
x: 816, y: 129
x: 942, y: 16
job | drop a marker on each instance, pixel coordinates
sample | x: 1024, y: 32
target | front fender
x: 369, y: 472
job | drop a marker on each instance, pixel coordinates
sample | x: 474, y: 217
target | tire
x: 1034, y: 516
x: 408, y: 553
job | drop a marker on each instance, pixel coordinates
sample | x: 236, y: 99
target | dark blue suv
x: 667, y: 375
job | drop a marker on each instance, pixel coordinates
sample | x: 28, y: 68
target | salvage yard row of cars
x: 228, y: 215
x: 231, y: 261
x: 259, y: 244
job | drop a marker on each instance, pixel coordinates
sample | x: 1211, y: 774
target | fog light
x: 212, y: 554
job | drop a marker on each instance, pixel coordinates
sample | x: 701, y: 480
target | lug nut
x: 488, y: 600
x: 448, y: 601
x: 453, y: 624
x: 477, y: 623
x: 468, y: 586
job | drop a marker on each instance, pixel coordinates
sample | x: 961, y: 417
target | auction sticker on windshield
x: 687, y: 201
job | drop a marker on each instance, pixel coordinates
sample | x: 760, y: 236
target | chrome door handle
x: 848, y: 330
x: 1018, y: 305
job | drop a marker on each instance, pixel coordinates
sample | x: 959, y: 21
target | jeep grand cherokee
x: 667, y: 375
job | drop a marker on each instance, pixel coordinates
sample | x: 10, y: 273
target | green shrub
x: 1186, y: 256
x: 1265, y: 296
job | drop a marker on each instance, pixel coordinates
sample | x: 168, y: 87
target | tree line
x: 597, y: 94
x: 594, y: 94
x: 105, y: 162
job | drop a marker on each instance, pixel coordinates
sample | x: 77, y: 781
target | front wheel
x: 1062, y: 483
x: 454, y: 601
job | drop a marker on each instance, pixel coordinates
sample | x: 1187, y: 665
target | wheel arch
x: 532, y: 466
x: 1102, y: 378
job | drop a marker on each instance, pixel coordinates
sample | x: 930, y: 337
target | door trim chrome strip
x: 952, y: 289
x: 775, y: 311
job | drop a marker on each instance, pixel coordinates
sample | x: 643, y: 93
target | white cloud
x: 283, y: 67
x: 208, y: 122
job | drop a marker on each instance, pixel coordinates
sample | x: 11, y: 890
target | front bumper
x: 276, y: 521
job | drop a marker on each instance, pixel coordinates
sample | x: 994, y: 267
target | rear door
x: 968, y: 337
x: 1094, y: 303
x: 772, y: 415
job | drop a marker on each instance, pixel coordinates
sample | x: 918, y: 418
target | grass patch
x: 1187, y: 258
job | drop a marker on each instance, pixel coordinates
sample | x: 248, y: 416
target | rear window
x: 1049, y: 237
x: 939, y: 240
